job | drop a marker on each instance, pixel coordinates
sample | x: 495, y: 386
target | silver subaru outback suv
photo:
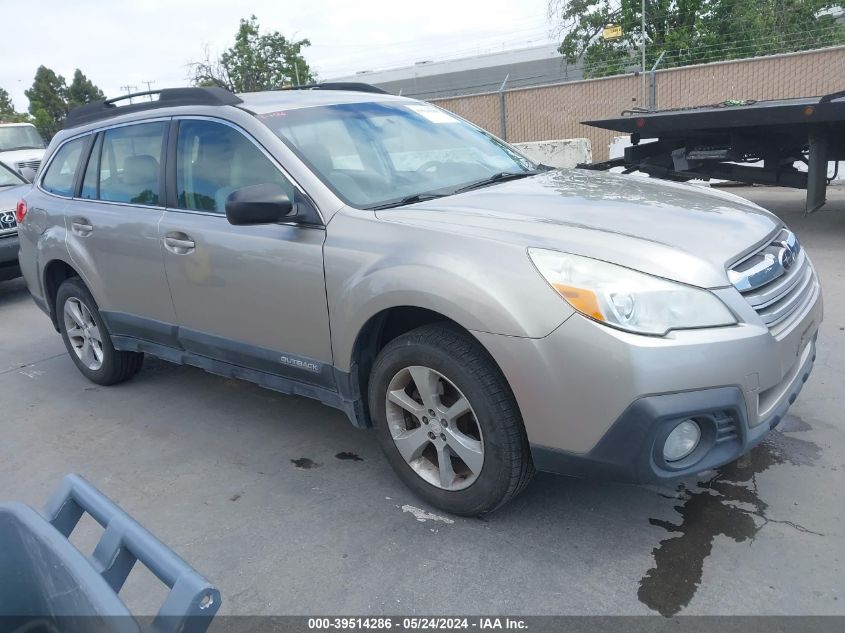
x: 486, y: 315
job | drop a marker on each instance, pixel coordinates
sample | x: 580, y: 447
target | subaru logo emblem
x: 786, y: 257
x: 781, y: 255
x: 788, y: 254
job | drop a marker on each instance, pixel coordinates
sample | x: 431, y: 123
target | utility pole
x: 642, y: 48
x: 129, y: 90
x: 149, y: 86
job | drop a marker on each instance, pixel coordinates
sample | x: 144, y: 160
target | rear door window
x: 60, y: 176
x: 130, y: 164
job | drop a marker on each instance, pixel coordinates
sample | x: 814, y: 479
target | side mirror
x: 258, y: 204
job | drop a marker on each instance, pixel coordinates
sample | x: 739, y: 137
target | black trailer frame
x: 714, y: 142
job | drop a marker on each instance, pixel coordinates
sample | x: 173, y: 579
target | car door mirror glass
x: 258, y: 204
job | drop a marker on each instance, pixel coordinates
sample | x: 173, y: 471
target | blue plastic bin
x: 46, y: 584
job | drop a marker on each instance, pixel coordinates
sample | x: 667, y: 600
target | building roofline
x: 473, y: 62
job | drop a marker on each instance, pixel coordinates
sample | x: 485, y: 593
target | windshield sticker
x: 435, y: 115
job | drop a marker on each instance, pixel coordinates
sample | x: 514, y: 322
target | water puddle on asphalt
x: 346, y: 455
x: 726, y: 504
x: 305, y: 463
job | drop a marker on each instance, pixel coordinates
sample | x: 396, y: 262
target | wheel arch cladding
x: 56, y: 272
x: 384, y: 327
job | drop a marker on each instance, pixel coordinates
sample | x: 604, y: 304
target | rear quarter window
x: 60, y: 175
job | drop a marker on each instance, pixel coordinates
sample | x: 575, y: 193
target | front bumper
x: 9, y: 267
x: 632, y: 449
x: 599, y: 402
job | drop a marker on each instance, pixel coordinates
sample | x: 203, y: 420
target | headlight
x: 628, y: 299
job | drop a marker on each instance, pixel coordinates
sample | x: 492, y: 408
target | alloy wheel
x: 83, y: 333
x: 434, y: 428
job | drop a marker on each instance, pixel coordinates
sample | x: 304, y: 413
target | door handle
x: 179, y: 243
x: 81, y: 226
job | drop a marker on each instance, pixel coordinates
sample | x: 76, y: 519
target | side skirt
x: 343, y: 399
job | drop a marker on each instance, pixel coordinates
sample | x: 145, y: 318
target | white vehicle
x: 21, y: 148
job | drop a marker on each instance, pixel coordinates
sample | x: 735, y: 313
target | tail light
x: 20, y: 211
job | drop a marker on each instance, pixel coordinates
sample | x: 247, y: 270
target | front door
x: 253, y: 296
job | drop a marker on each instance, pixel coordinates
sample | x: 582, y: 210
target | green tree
x: 257, y: 61
x: 6, y: 105
x: 50, y: 98
x: 47, y: 101
x: 691, y: 31
x: 82, y: 90
x: 8, y: 113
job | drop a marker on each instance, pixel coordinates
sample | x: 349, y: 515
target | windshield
x: 372, y: 154
x: 8, y: 178
x: 20, y: 137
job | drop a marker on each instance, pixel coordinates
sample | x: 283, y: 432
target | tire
x: 454, y: 366
x: 109, y: 366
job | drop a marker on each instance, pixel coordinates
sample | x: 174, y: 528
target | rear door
x: 253, y: 296
x: 112, y: 230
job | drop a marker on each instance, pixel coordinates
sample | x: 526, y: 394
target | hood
x: 684, y: 232
x: 9, y: 196
x: 21, y: 155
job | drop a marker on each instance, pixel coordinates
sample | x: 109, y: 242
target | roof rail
x: 167, y: 97
x: 351, y: 86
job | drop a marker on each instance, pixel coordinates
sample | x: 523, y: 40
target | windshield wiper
x: 498, y: 177
x: 14, y: 149
x: 417, y: 197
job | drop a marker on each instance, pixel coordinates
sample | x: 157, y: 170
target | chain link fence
x: 556, y: 111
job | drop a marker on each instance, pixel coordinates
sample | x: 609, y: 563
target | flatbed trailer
x: 756, y: 142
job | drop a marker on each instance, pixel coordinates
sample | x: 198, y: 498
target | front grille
x: 28, y: 164
x: 8, y: 225
x: 778, y: 281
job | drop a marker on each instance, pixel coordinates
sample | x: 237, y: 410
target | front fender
x: 481, y: 284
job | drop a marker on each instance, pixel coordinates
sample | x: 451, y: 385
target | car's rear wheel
x: 448, y: 422
x: 87, y: 340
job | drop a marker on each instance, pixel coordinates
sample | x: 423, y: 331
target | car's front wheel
x: 448, y: 422
x: 87, y: 340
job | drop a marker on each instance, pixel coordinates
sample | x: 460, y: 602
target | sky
x: 129, y: 42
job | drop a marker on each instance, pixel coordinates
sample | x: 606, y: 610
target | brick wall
x: 555, y: 112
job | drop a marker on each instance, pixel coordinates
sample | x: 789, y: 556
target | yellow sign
x: 612, y: 32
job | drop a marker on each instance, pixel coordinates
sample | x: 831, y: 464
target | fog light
x: 681, y: 441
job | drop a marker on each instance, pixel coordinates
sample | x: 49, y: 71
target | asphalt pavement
x: 290, y: 510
